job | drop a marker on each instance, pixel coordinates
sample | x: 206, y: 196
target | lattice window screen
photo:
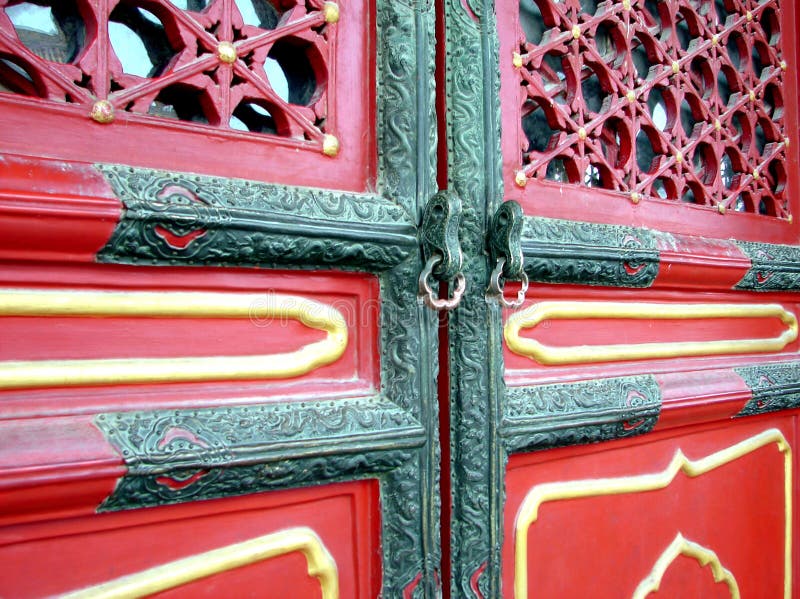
x: 675, y: 99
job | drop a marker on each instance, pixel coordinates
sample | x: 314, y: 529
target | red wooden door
x: 215, y: 378
x: 634, y: 432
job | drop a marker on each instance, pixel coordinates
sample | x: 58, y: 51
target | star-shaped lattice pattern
x: 206, y: 61
x: 672, y: 99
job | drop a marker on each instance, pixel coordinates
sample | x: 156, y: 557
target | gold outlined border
x: 577, y: 354
x: 683, y: 546
x: 200, y: 305
x: 321, y: 565
x: 539, y: 494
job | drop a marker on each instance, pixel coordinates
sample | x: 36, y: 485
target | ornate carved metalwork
x: 560, y: 251
x: 774, y: 267
x: 181, y: 218
x: 774, y: 386
x: 584, y: 412
x: 679, y: 100
x: 178, y: 455
x: 258, y: 66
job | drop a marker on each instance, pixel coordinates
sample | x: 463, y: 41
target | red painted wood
x: 522, y: 370
x: 63, y: 555
x: 355, y: 373
x: 543, y: 198
x: 697, y: 262
x: 54, y: 468
x: 700, y: 397
x: 44, y: 202
x: 604, y: 546
x: 50, y: 128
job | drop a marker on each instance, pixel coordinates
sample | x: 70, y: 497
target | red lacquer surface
x: 69, y: 554
x: 604, y: 546
x: 616, y: 121
x: 634, y: 331
x: 40, y: 338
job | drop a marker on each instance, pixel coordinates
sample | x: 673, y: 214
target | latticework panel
x: 258, y: 66
x: 677, y: 100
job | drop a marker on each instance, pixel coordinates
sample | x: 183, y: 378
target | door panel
x: 629, y: 324
x: 209, y: 292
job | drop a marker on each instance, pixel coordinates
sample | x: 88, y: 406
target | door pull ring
x: 426, y: 293
x: 495, y: 290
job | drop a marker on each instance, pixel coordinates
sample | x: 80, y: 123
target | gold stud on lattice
x: 226, y: 52
x: 714, y: 39
x: 717, y: 125
x: 331, y: 12
x: 635, y: 197
x: 784, y: 66
x: 102, y: 111
x: 789, y: 219
x: 749, y: 16
x: 786, y: 142
x: 752, y: 96
x: 330, y: 145
x: 631, y: 95
x: 520, y: 179
x: 582, y: 133
x: 576, y: 32
x: 678, y: 156
x: 676, y: 67
x: 516, y: 60
x: 626, y: 4
x: 721, y: 208
x: 756, y: 174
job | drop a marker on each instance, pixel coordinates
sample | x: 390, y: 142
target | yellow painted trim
x: 574, y: 489
x: 576, y: 354
x: 140, y: 304
x: 321, y: 565
x: 682, y: 546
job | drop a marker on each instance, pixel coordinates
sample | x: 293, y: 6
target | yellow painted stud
x: 714, y: 39
x: 631, y: 95
x: 102, y: 112
x: 721, y: 208
x: 756, y: 174
x: 582, y: 133
x: 676, y: 67
x: 717, y: 125
x: 784, y: 66
x: 679, y: 157
x: 786, y: 142
x: 520, y: 179
x: 226, y: 52
x: 626, y: 4
x: 749, y: 16
x: 752, y: 96
x: 576, y: 32
x: 331, y: 12
x: 516, y: 60
x: 330, y: 145
x: 635, y: 197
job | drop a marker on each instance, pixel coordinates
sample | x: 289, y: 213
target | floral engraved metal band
x: 99, y: 304
x: 576, y: 354
x: 258, y: 66
x: 674, y: 99
x: 321, y: 565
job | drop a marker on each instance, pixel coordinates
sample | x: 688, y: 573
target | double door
x: 409, y: 299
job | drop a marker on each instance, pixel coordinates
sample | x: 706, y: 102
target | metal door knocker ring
x: 426, y: 292
x: 495, y: 290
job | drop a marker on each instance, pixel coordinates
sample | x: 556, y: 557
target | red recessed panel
x: 631, y: 331
x: 607, y: 545
x: 35, y: 338
x: 68, y: 555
